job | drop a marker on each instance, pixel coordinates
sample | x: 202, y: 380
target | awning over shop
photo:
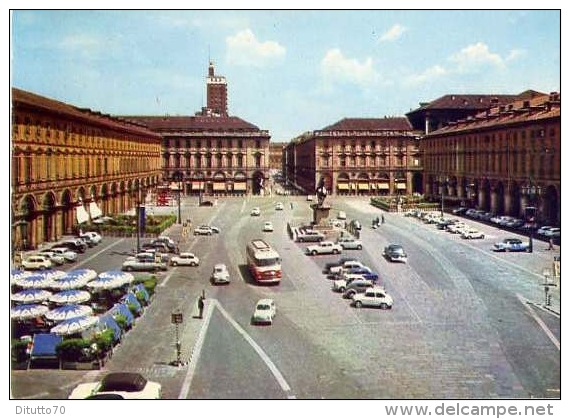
x: 219, y: 186
x: 94, y: 210
x: 383, y: 185
x: 400, y: 186
x: 363, y: 186
x: 198, y: 185
x: 342, y: 186
x: 81, y: 213
x: 240, y: 186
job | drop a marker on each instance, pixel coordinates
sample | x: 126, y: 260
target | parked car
x: 510, y: 245
x: 160, y: 246
x: 395, y: 253
x: 36, y: 262
x: 542, y: 230
x: 203, y: 230
x: 373, y: 297
x: 168, y: 242
x: 255, y: 212
x: 264, y: 312
x: 456, y: 228
x: 68, y: 255
x: 552, y: 232
x: 324, y: 248
x: 123, y: 385
x: 365, y: 272
x: 77, y: 245
x: 339, y: 285
x: 91, y: 236
x: 144, y: 262
x: 356, y: 287
x: 310, y: 236
x: 349, y: 243
x: 472, y: 234
x: 459, y: 211
x: 220, y: 275
x: 268, y: 226
x: 341, y: 215
x: 338, y: 263
x: 55, y: 258
x: 310, y: 197
x: 185, y: 259
x: 338, y: 269
x: 279, y: 206
x: 206, y: 204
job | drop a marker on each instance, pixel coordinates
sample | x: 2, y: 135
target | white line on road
x: 542, y: 325
x: 97, y: 254
x: 276, y: 373
x: 242, y: 206
x: 195, y: 356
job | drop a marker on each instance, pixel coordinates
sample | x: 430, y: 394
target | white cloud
x: 393, y: 33
x: 429, y: 74
x: 514, y: 54
x: 335, y: 67
x: 80, y: 42
x: 243, y: 48
x: 475, y: 56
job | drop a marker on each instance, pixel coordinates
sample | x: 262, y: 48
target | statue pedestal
x: 320, y: 214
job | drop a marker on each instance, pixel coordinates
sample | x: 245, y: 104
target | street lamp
x: 531, y: 212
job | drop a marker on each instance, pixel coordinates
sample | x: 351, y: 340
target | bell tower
x: 217, y: 93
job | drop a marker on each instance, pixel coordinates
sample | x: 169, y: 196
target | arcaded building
x: 357, y: 156
x: 212, y: 153
x: 71, y: 164
x: 502, y: 160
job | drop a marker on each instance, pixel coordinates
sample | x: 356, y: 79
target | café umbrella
x: 52, y: 273
x: 126, y: 276
x: 34, y: 281
x: 18, y: 274
x: 69, y: 282
x: 31, y: 295
x: 68, y: 311
x: 74, y: 325
x: 71, y: 296
x: 108, y: 282
x: 89, y: 274
x: 28, y: 311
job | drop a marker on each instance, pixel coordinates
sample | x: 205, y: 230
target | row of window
x: 199, y: 161
x: 30, y: 169
x: 364, y: 161
x: 77, y: 136
x: 229, y: 143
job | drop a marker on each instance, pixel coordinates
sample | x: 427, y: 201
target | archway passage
x: 49, y: 222
x: 417, y: 183
x: 25, y: 235
x: 257, y: 183
x: 551, y: 206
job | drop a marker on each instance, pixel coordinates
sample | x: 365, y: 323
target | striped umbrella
x: 33, y: 281
x: 68, y: 311
x: 31, y: 295
x: 28, y: 311
x: 70, y: 297
x: 75, y: 325
x: 18, y: 274
x: 69, y: 282
x: 90, y: 274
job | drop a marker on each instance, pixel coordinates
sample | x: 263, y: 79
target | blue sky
x: 287, y: 71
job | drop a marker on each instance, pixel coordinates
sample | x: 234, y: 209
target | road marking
x: 265, y: 358
x: 97, y: 254
x: 242, y: 206
x: 542, y: 325
x: 195, y: 355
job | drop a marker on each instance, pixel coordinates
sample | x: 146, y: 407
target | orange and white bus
x: 264, y: 262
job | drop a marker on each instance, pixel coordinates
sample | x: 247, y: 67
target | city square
x: 389, y: 255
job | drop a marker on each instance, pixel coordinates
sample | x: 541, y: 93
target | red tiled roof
x: 370, y: 124
x: 525, y: 110
x: 194, y: 123
x: 455, y: 101
x: 22, y: 97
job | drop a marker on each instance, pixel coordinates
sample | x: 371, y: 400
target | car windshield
x: 268, y: 262
x: 263, y: 307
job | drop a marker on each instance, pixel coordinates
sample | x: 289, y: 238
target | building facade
x: 502, y: 160
x: 276, y: 156
x: 212, y: 153
x: 70, y: 164
x: 357, y: 156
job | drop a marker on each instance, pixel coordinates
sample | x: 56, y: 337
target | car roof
x: 265, y: 301
x: 123, y: 381
x: 186, y: 254
x: 220, y: 266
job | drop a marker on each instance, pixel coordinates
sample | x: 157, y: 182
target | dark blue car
x: 365, y: 272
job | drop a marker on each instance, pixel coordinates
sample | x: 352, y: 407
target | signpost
x: 177, y: 319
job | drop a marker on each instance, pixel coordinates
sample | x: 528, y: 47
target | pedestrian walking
x: 200, y: 306
x: 291, y: 205
x: 550, y: 244
x: 383, y: 220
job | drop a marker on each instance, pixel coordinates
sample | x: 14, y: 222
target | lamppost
x: 141, y: 217
x: 531, y: 212
x: 547, y: 284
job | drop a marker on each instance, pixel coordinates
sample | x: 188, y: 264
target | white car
x: 349, y: 243
x: 373, y: 297
x: 203, y: 230
x: 542, y: 230
x: 340, y: 285
x: 472, y: 234
x: 310, y: 197
x: 264, y: 311
x: 341, y: 215
x: 279, y: 206
x: 268, y: 226
x: 53, y: 257
x: 119, y: 385
x: 324, y: 248
x: 552, y: 232
x: 91, y: 236
x: 68, y: 255
x: 349, y: 264
x: 36, y: 262
x: 185, y: 259
x: 255, y: 212
x: 220, y: 275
